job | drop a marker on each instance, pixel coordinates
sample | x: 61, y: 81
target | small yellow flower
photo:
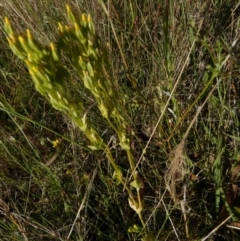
x: 56, y: 142
x: 68, y: 172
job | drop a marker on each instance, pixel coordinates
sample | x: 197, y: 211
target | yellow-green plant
x: 82, y: 46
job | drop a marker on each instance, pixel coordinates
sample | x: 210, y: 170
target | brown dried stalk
x: 177, y: 168
x: 176, y: 171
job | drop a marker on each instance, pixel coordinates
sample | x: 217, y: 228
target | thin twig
x: 215, y: 229
x: 183, y: 208
x: 168, y: 101
x: 175, y: 231
x: 82, y: 203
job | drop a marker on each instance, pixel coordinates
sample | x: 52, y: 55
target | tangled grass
x: 174, y: 74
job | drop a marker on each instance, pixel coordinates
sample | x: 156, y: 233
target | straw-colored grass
x: 174, y: 71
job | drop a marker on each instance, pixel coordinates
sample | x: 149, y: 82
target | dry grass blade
x: 5, y: 210
x: 175, y: 76
x: 82, y: 203
x: 215, y: 229
x: 176, y: 171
